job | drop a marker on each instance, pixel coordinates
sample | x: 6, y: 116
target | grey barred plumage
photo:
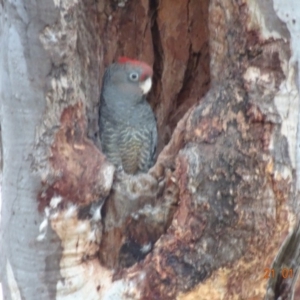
x: 128, y: 131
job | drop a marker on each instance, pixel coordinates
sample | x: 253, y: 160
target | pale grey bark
x: 24, y: 69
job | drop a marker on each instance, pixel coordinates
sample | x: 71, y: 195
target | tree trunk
x: 217, y: 217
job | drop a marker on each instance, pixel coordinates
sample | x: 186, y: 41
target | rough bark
x: 217, y: 212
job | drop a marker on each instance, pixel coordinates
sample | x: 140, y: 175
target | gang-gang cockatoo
x: 128, y: 131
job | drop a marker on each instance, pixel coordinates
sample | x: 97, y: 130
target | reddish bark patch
x: 182, y: 61
x: 82, y: 174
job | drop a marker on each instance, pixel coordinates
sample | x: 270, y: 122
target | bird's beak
x: 146, y: 85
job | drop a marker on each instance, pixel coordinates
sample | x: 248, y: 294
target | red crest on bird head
x: 147, y: 70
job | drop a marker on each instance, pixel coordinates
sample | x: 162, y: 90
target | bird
x: 127, y: 124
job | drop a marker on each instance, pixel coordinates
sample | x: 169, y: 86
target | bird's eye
x: 134, y: 76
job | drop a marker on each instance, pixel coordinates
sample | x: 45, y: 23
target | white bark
x: 24, y: 68
x: 289, y: 13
